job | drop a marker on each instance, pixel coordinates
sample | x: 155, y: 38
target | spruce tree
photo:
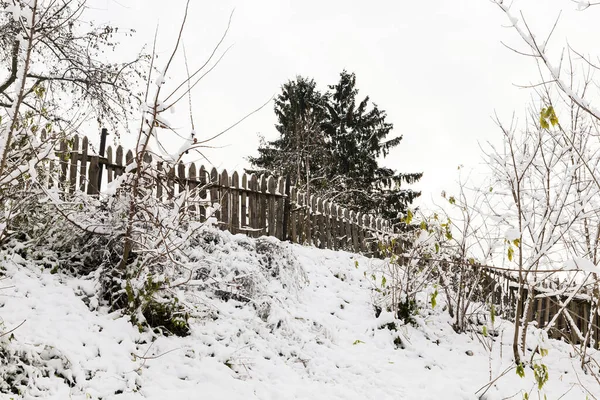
x: 329, y: 145
x: 357, y: 136
x: 300, y: 150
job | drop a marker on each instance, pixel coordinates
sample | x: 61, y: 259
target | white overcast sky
x: 437, y: 67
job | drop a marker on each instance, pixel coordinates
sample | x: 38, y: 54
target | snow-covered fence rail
x: 252, y: 204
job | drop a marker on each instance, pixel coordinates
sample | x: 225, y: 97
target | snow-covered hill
x: 303, y: 326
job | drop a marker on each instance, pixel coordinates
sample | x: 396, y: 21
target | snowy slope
x: 309, y: 332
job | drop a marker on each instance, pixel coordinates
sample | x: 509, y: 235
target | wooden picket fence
x: 548, y: 297
x: 255, y: 205
x: 259, y: 205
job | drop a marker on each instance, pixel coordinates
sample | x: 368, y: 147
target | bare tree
x: 555, y: 179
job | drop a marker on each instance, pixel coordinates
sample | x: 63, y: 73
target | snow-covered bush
x: 434, y: 256
x: 26, y: 368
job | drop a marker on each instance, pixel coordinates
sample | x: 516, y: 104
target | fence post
x: 103, y: 136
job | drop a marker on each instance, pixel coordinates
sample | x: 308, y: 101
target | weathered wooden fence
x: 550, y: 300
x: 256, y: 205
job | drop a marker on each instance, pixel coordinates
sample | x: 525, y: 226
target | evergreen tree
x: 357, y: 136
x: 329, y: 145
x: 300, y: 150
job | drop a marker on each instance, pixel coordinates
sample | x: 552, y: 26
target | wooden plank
x: 334, y: 227
x: 280, y: 216
x: 293, y: 231
x: 321, y: 224
x: 92, y: 187
x: 547, y: 317
x: 224, y: 194
x: 244, y: 202
x: 129, y: 157
x: 354, y: 230
x: 118, y: 160
x: 302, y: 217
x: 348, y: 228
x: 83, y: 167
x: 308, y: 219
x: 263, y: 204
x: 109, y: 168
x: 571, y: 310
x: 341, y: 229
x: 160, y: 178
x: 539, y: 312
x: 329, y: 228
x: 271, y: 204
x: 362, y: 235
x: 170, y: 182
x: 214, y: 191
x: 337, y: 227
x: 181, y: 178
x: 73, y: 169
x: 253, y: 203
x: 64, y: 164
x: 314, y: 234
x: 585, y: 316
x: 192, y: 185
x: 235, y: 202
x: 202, y: 177
x: 373, y: 243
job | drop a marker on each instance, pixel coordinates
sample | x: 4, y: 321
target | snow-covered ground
x: 308, y: 332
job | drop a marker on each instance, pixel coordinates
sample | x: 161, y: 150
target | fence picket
x: 118, y: 160
x: 129, y: 157
x: 301, y: 217
x: 192, y: 185
x: 64, y: 164
x: 92, y: 187
x: 334, y: 227
x: 314, y: 220
x: 280, y: 210
x: 341, y: 230
x: 214, y: 191
x: 363, y: 232
x: 253, y: 203
x: 109, y: 162
x: 271, y: 189
x: 224, y: 180
x: 263, y: 204
x: 160, y: 179
x: 170, y: 185
x: 322, y: 224
x: 73, y: 168
x: 348, y: 230
x: 235, y: 203
x: 181, y: 178
x: 293, y: 226
x: 202, y: 173
x: 243, y: 202
x: 83, y: 167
